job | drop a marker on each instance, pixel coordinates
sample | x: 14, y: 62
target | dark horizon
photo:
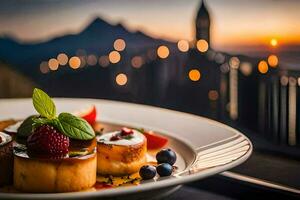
x: 227, y: 32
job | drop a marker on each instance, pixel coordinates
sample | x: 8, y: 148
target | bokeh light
x: 263, y: 67
x: 44, y: 67
x: 202, y: 45
x: 114, y: 57
x: 213, y: 95
x: 53, y: 64
x: 183, y: 45
x: 137, y: 61
x: 292, y: 81
x: 225, y: 68
x: 62, y: 59
x: 163, y: 51
x: 121, y: 79
x: 74, y: 62
x: 194, y: 75
x: 220, y: 58
x: 82, y: 61
x: 234, y: 62
x: 103, y: 61
x: 246, y: 68
x: 284, y: 80
x: 273, y: 60
x: 119, y: 44
x: 210, y: 54
x: 273, y: 42
x: 92, y: 60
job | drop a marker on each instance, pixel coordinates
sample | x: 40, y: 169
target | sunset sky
x: 235, y: 23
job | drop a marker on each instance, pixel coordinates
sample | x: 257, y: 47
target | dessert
x: 59, y: 154
x: 6, y: 159
x: 121, y: 152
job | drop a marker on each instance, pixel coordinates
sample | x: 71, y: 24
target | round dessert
x: 51, y: 162
x: 121, y: 152
x: 59, y: 154
x: 6, y: 159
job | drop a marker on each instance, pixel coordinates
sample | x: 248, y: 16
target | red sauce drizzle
x: 101, y: 186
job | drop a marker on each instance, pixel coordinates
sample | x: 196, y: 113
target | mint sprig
x: 68, y: 124
x: 43, y: 104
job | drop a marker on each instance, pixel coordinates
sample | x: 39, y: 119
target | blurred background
x: 233, y: 61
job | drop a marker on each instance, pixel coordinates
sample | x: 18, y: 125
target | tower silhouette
x: 203, y: 23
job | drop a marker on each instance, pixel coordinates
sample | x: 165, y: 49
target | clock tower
x: 203, y: 23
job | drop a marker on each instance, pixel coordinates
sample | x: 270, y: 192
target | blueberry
x: 147, y: 172
x: 164, y: 169
x: 166, y: 156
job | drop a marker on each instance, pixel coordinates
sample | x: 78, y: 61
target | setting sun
x: 274, y: 42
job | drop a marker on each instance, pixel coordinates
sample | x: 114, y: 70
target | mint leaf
x: 74, y: 127
x: 43, y: 104
x: 26, y: 127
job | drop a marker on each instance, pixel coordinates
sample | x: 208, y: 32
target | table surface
x: 218, y: 188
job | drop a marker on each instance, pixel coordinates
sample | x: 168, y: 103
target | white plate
x: 206, y: 147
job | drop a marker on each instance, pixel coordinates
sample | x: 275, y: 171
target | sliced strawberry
x: 155, y: 141
x: 88, y: 114
x: 126, y: 131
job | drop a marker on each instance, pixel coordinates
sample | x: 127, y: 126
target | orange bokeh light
x: 114, y: 57
x: 119, y: 44
x: 163, y: 52
x: 74, y: 62
x: 62, y: 59
x: 53, y: 64
x: 263, y: 67
x: 194, y: 75
x: 202, y: 45
x: 273, y: 60
x: 121, y: 79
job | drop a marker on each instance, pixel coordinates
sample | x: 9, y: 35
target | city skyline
x: 257, y: 22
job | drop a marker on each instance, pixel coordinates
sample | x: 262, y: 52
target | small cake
x: 68, y: 167
x: 59, y: 152
x: 121, y: 152
x: 6, y: 159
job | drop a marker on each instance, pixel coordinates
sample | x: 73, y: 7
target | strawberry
x: 155, y: 141
x: 46, y: 140
x: 89, y: 114
x: 126, y: 131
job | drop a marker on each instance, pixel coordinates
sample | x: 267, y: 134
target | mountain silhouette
x: 97, y: 38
